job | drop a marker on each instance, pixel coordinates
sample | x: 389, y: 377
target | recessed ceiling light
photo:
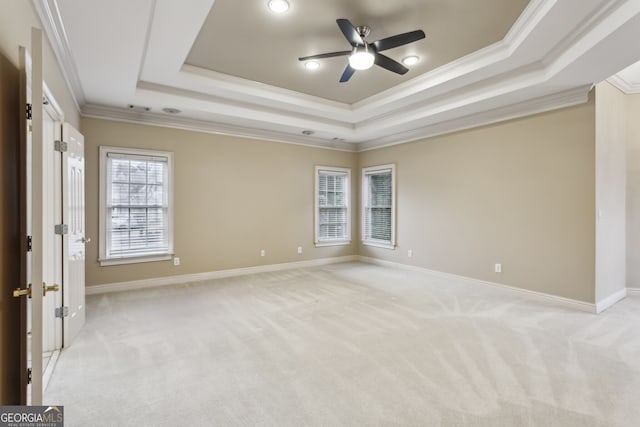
x: 278, y: 6
x: 411, y: 60
x: 312, y: 65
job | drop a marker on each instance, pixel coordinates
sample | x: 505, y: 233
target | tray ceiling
x: 231, y: 67
x: 254, y: 44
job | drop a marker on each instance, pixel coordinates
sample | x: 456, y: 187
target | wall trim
x: 552, y: 102
x: 611, y: 300
x: 566, y: 302
x: 181, y: 123
x: 211, y: 275
x: 132, y: 285
x: 625, y: 86
x: 47, y: 11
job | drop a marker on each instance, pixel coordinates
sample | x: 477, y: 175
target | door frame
x: 52, y: 174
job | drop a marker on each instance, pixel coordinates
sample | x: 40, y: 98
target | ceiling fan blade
x: 325, y: 55
x: 391, y: 65
x: 350, y: 32
x: 346, y: 75
x: 398, y: 40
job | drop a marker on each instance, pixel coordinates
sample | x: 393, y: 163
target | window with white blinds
x: 333, y: 218
x: 378, y: 206
x: 136, y: 205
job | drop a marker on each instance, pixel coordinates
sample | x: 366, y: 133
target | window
x: 333, y: 225
x: 378, y: 206
x: 136, y: 213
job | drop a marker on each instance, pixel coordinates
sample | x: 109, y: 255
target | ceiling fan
x: 364, y: 54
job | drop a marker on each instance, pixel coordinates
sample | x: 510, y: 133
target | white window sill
x: 383, y: 245
x: 333, y: 243
x: 134, y: 260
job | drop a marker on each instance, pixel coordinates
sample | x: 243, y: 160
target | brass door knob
x: 17, y: 292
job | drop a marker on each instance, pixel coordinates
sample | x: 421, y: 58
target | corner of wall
x: 610, y: 209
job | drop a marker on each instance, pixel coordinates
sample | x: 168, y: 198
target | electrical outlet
x: 299, y: 249
x: 263, y: 252
x: 498, y: 268
x: 176, y: 260
x: 410, y: 253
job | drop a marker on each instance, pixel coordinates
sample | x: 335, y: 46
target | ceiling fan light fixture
x: 278, y: 6
x: 312, y: 65
x: 411, y: 60
x: 361, y: 58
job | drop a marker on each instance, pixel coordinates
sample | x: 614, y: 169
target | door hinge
x: 29, y: 243
x: 29, y: 112
x: 61, y: 146
x: 61, y: 229
x: 28, y: 375
x: 62, y: 311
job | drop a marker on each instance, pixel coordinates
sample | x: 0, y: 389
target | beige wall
x: 16, y: 20
x: 519, y: 193
x: 233, y: 197
x: 633, y: 191
x: 610, y: 190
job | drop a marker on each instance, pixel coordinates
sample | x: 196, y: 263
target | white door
x: 74, y: 242
x: 31, y: 220
x: 51, y: 240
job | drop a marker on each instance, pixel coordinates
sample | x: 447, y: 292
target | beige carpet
x: 348, y: 345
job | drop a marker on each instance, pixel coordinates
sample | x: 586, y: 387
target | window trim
x: 364, y: 193
x: 316, y: 238
x: 102, y: 220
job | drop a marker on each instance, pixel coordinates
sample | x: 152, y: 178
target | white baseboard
x: 198, y: 277
x: 611, y: 300
x: 567, y: 302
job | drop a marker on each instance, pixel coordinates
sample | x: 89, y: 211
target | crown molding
x: 625, y: 86
x: 555, y: 101
x: 218, y: 108
x: 225, y: 86
x: 51, y: 20
x: 206, y: 126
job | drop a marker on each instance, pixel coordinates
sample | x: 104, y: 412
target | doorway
x: 44, y: 208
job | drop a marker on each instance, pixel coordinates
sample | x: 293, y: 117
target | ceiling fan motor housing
x: 363, y: 30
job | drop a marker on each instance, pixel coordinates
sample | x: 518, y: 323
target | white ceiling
x: 154, y: 53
